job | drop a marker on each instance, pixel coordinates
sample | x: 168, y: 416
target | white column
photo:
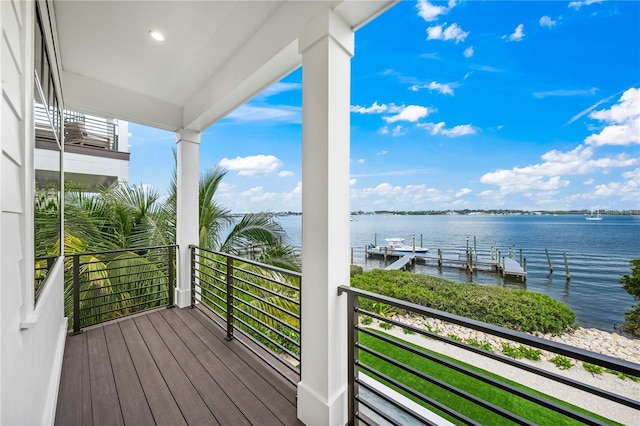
x: 188, y: 142
x: 326, y: 47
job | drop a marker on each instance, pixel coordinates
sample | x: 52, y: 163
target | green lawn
x: 501, y: 398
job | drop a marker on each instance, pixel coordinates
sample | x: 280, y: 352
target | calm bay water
x: 598, y: 253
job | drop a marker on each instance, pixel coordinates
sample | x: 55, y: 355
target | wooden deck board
x: 227, y: 413
x: 104, y: 397
x: 193, y: 408
x: 133, y: 402
x: 270, y: 387
x: 161, y: 403
x: 158, y: 369
x: 246, y: 401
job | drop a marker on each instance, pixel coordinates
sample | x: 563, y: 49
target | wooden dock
x: 496, y: 262
x: 404, y: 262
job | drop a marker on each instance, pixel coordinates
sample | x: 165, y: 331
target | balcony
x: 233, y: 356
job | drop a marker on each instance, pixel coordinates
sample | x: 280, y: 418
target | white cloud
x: 578, y: 4
x: 548, y: 175
x: 546, y: 21
x: 589, y: 181
x: 361, y: 161
x: 565, y: 92
x: 444, y: 88
x: 397, y: 131
x: 468, y: 52
x: 375, y: 108
x: 384, y: 130
x: 279, y: 87
x: 252, y: 165
x: 430, y: 12
x: 410, y: 113
x: 352, y: 182
x: 518, y: 33
x: 452, y: 32
x: 463, y: 191
x: 622, y: 121
x: 276, y: 113
x: 412, y: 196
x: 383, y: 152
x: 439, y: 129
x: 285, y: 173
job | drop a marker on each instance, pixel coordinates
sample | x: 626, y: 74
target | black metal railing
x: 259, y: 302
x: 102, y: 286
x: 398, y: 358
x: 79, y: 129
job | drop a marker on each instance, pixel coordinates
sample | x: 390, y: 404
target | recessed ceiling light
x: 156, y: 35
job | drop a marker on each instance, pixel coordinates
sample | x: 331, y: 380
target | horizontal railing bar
x: 84, y: 324
x: 128, y: 307
x: 622, y: 366
x: 252, y: 262
x: 203, y: 297
x: 278, y: 320
x: 115, y: 293
x: 256, y: 331
x: 199, y: 260
x: 379, y: 412
x: 269, y: 363
x: 263, y: 277
x: 126, y: 283
x: 513, y: 362
x: 493, y: 382
x: 444, y: 385
x: 121, y: 301
x: 414, y: 393
x: 266, y: 290
x: 279, y: 333
x: 133, y: 249
x: 253, y: 296
x: 390, y: 400
x: 213, y: 277
x: 209, y: 292
x: 115, y: 268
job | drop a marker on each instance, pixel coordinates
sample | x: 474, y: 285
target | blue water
x: 598, y: 253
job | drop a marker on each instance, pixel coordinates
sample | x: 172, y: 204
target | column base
x: 182, y: 298
x: 314, y: 410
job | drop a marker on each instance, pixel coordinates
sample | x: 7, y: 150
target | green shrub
x: 530, y: 353
x: 562, y: 362
x: 511, y: 351
x: 454, y: 337
x: 515, y: 309
x: 592, y: 368
x: 631, y: 284
x: 481, y: 344
x: 366, y: 320
x: 385, y: 325
x: 407, y: 331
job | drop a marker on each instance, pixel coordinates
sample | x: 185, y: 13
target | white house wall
x: 81, y: 164
x: 32, y: 338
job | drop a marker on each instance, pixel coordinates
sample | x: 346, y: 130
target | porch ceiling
x: 216, y: 56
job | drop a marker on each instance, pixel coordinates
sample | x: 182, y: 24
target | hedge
x: 520, y: 310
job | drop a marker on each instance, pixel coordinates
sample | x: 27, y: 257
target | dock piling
x: 566, y: 266
x: 549, y: 261
x: 521, y: 257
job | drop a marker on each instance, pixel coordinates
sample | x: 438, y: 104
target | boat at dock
x: 395, y: 247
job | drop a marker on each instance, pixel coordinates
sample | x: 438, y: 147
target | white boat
x: 596, y: 217
x: 396, y: 246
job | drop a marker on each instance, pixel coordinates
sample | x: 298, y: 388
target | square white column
x: 326, y: 47
x: 188, y: 144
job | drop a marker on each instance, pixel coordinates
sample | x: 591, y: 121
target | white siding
x: 32, y: 338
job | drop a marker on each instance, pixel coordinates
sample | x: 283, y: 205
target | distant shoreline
x: 480, y: 212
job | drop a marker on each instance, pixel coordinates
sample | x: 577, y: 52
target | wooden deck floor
x: 169, y: 367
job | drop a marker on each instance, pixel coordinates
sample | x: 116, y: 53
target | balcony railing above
x: 79, y: 129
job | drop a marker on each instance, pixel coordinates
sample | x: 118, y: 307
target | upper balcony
x: 95, y: 149
x: 233, y: 357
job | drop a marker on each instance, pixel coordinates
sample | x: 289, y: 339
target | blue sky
x: 455, y: 105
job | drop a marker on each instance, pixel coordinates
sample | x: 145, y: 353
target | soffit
x: 111, y: 66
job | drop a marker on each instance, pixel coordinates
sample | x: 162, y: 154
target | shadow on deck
x: 170, y: 366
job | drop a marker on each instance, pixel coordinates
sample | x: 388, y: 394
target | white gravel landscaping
x: 598, y: 341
